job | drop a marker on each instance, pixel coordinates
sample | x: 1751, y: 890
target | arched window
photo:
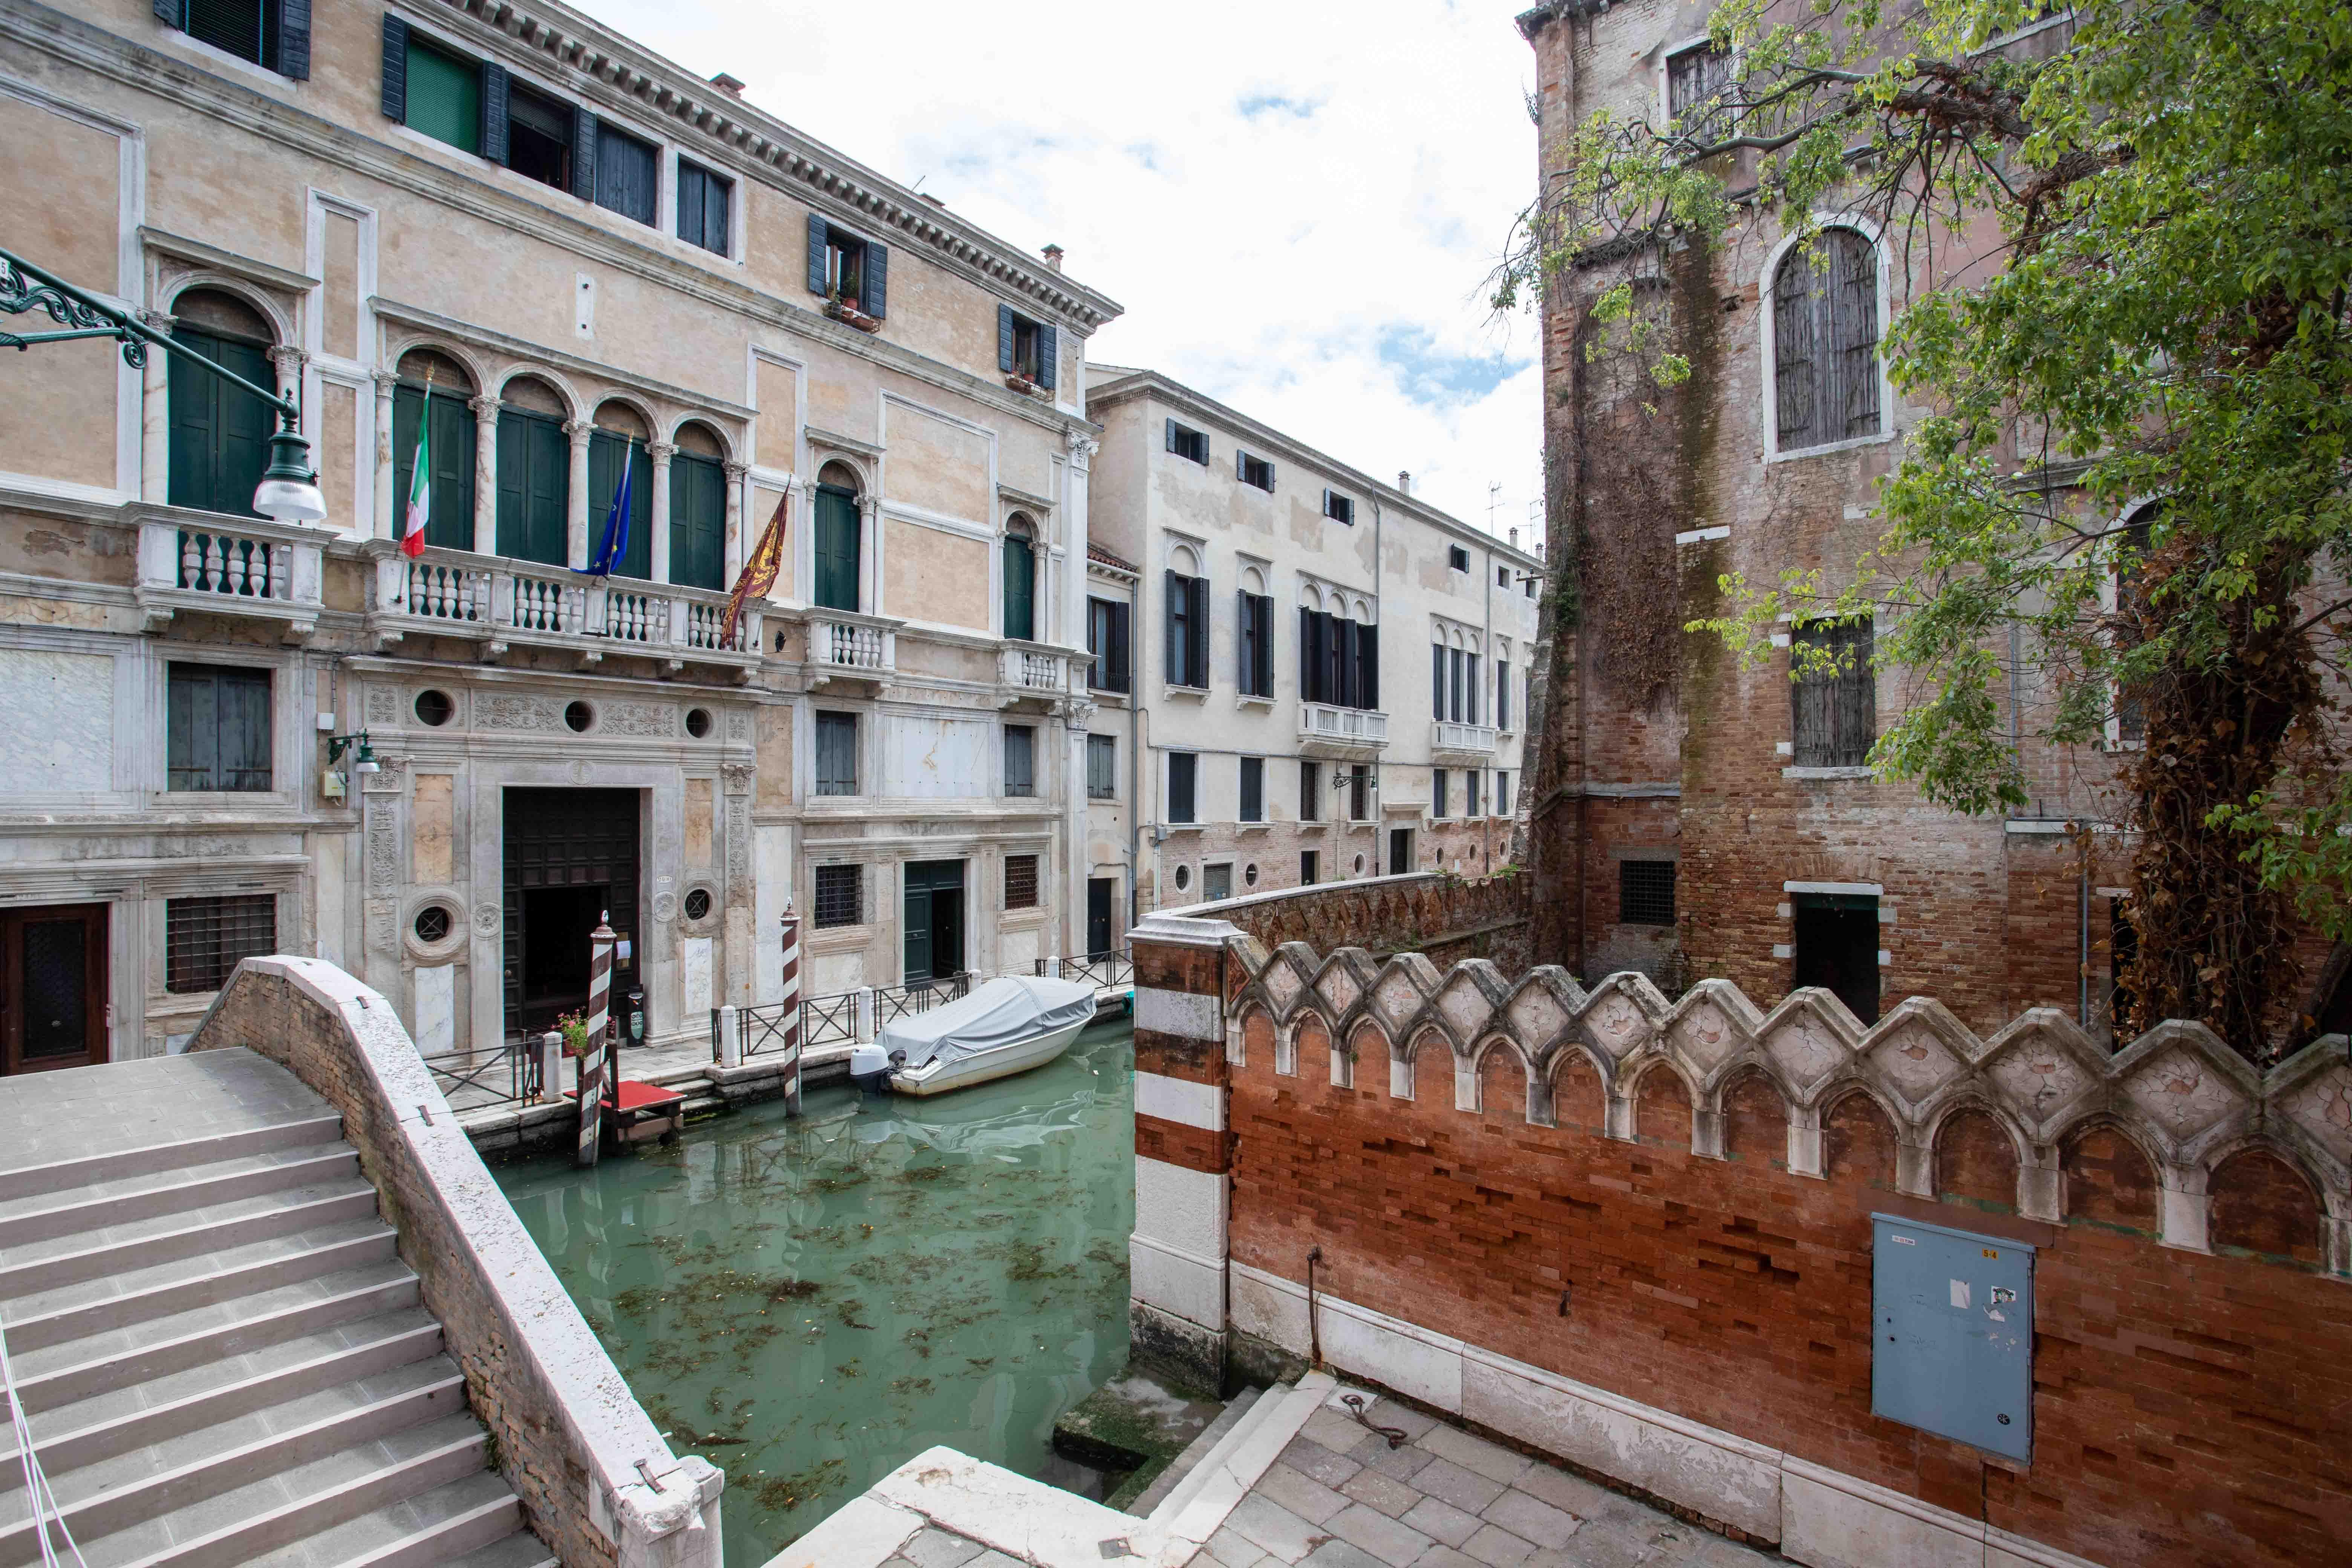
x: 621, y: 435
x: 534, y: 474
x: 836, y: 539
x: 698, y: 510
x: 435, y: 379
x: 220, y: 432
x: 1020, y: 580
x: 1825, y: 342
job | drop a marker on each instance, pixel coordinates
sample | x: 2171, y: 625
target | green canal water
x: 810, y: 1303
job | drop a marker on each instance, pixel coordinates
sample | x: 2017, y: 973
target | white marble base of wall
x: 1821, y: 1516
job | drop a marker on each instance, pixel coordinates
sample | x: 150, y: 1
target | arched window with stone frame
x: 1020, y: 578
x: 219, y: 433
x: 698, y: 509
x: 432, y: 382
x: 1825, y: 326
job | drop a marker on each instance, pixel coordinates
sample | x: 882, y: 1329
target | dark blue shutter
x: 876, y: 281
x: 1049, y: 353
x: 1265, y: 645
x: 168, y: 13
x: 1005, y: 349
x: 1172, y: 435
x: 1198, y: 655
x: 816, y: 237
x: 583, y: 155
x: 1178, y: 590
x: 494, y: 113
x: 1368, y: 667
x: 1309, y: 688
x: 294, y: 39
x: 396, y: 66
x: 1121, y: 616
x: 1437, y: 680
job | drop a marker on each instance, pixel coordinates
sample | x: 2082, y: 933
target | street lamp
x: 288, y: 492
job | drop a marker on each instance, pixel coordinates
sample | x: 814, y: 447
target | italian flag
x: 420, y: 489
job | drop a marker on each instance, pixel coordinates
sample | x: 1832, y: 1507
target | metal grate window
x: 840, y: 895
x: 204, y: 939
x: 1645, y: 892
x: 1021, y: 881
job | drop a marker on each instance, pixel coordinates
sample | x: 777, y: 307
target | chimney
x: 1054, y: 257
x: 1515, y: 538
x: 728, y: 85
x: 1404, y: 481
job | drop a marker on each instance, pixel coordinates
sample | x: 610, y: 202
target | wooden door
x: 52, y: 987
x: 835, y: 549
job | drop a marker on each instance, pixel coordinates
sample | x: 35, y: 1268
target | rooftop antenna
x: 1494, y: 504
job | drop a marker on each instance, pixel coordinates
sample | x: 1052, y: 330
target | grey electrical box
x: 1952, y: 1341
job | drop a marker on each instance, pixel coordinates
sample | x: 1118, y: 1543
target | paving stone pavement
x: 1340, y: 1496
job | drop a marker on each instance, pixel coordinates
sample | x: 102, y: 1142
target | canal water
x: 810, y: 1303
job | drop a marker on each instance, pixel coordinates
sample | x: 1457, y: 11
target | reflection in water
x: 810, y: 1303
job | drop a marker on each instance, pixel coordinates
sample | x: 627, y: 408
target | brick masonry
x: 1671, y: 1204
x: 568, y: 1431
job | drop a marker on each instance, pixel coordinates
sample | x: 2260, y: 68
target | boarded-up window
x: 1020, y: 759
x: 1021, y: 881
x: 1182, y: 766
x: 1835, y: 694
x: 1102, y: 767
x: 626, y: 173
x: 204, y: 939
x: 1825, y: 342
x: 218, y: 727
x: 840, y: 895
x: 836, y: 753
x: 1695, y: 79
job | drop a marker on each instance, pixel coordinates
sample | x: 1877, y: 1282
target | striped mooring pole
x: 790, y: 1001
x: 597, y: 1057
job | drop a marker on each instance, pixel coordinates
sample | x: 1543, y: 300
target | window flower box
x: 849, y: 315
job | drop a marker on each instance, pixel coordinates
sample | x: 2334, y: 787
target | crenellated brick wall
x: 1638, y: 1236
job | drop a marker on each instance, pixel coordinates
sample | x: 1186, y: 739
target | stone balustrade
x: 503, y: 603
x: 216, y: 564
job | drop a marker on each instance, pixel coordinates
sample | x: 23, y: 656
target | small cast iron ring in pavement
x: 1355, y: 1404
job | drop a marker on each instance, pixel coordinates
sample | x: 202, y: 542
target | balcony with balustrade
x: 1471, y: 745
x: 845, y: 646
x: 212, y: 563
x: 1357, y: 734
x: 1030, y: 672
x: 499, y: 604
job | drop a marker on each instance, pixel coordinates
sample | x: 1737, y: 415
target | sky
x: 1298, y: 205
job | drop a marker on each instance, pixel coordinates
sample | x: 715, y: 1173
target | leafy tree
x: 2169, y: 185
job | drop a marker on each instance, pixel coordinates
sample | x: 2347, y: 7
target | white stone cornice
x: 178, y: 81
x: 553, y: 34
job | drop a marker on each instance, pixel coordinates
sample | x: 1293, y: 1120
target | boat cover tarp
x: 998, y: 1013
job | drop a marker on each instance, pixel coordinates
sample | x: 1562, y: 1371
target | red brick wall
x: 2189, y: 1410
x: 1449, y: 918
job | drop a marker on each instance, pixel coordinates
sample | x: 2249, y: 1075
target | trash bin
x: 636, y: 1015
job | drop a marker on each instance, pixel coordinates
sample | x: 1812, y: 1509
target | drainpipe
x: 1381, y: 619
x: 2083, y: 903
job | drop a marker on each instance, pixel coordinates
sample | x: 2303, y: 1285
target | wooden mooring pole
x: 596, y: 1055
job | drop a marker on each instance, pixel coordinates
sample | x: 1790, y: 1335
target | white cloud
x: 1298, y: 204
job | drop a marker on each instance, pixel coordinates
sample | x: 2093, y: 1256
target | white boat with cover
x: 1004, y: 1027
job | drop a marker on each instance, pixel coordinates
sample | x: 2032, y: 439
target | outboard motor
x: 869, y: 1066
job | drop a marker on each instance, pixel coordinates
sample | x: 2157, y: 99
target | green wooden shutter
x: 193, y: 728
x: 534, y: 489
x: 698, y: 522
x: 604, y: 451
x: 450, y: 525
x: 219, y: 436
x: 874, y: 281
x: 1020, y: 588
x: 583, y: 153
x: 1198, y: 655
x: 837, y: 544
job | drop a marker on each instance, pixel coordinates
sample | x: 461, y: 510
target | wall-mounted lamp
x: 363, y: 758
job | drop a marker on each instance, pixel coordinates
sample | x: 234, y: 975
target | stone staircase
x: 223, y: 1359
